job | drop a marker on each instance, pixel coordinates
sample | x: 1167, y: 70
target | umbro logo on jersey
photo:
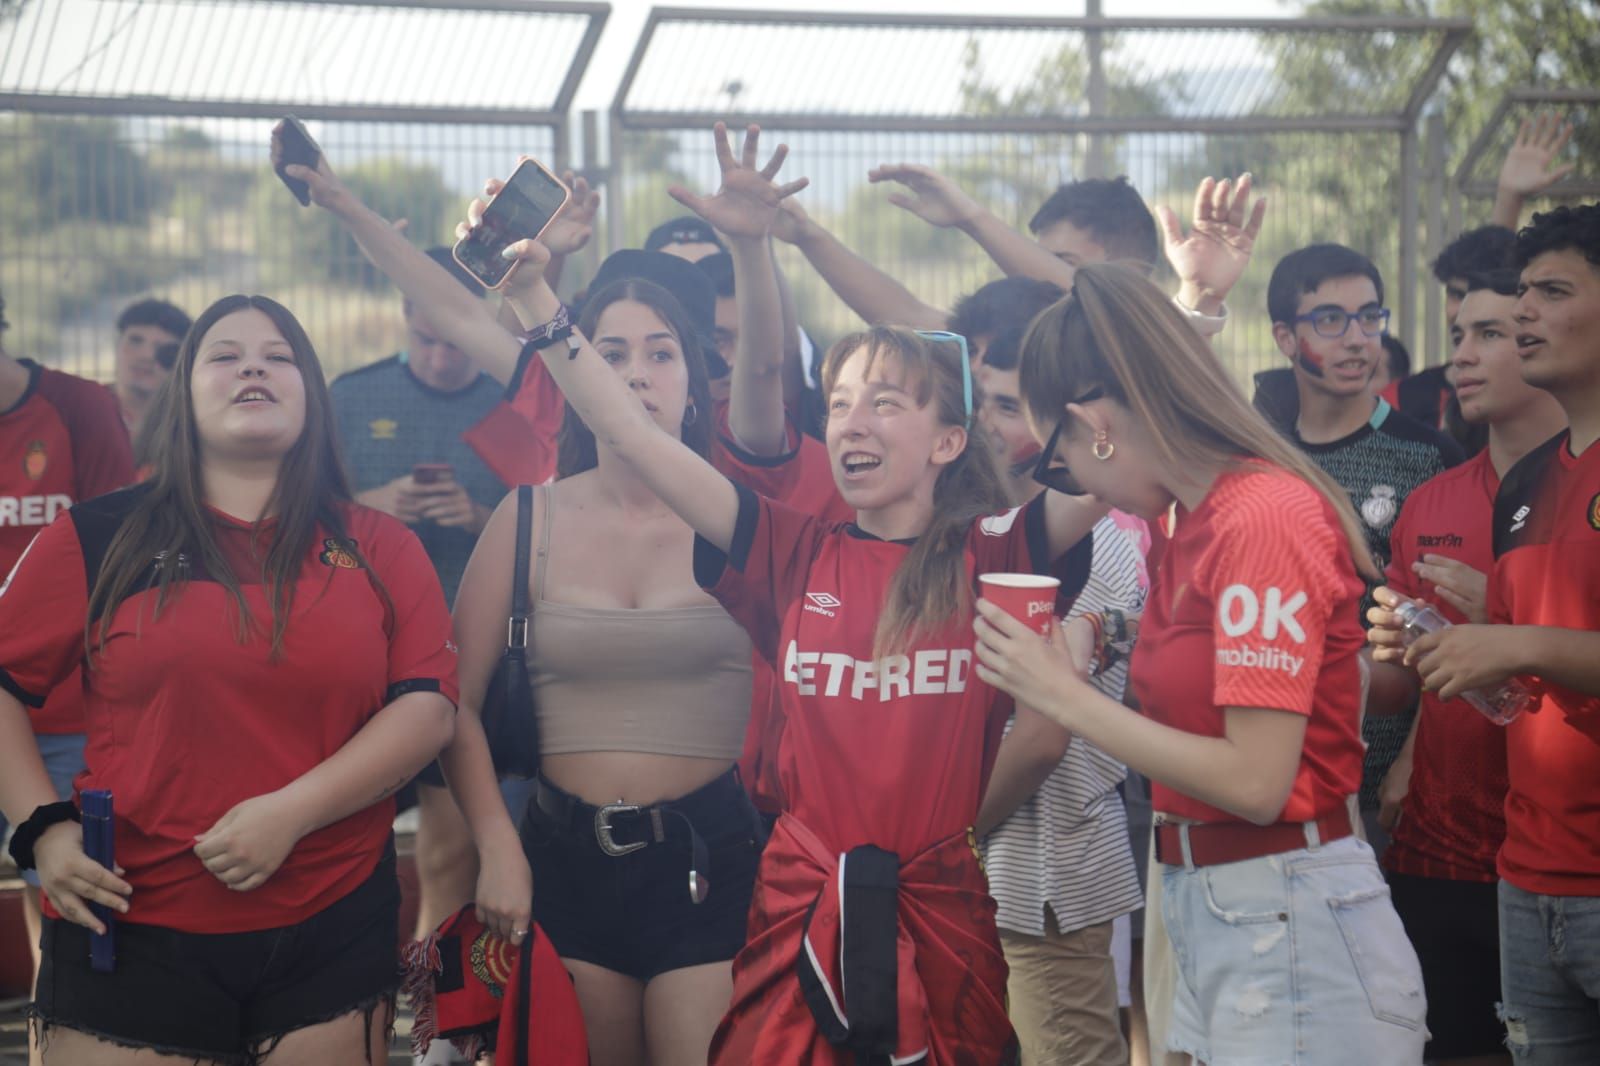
x: 1520, y: 519
x: 383, y: 428
x: 822, y: 603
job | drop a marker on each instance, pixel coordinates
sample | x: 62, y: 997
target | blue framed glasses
x: 1333, y: 322
x: 966, y: 362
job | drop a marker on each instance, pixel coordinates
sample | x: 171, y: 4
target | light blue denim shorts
x: 1296, y: 958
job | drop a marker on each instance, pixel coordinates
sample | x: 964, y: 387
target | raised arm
x: 1528, y: 169
x: 685, y: 482
x: 461, y: 318
x: 743, y: 210
x: 938, y: 201
x: 1211, y: 258
x: 878, y: 298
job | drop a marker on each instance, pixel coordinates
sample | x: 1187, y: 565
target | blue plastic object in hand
x: 99, y: 846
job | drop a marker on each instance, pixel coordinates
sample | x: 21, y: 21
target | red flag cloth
x: 949, y: 976
x: 515, y: 450
x: 483, y: 993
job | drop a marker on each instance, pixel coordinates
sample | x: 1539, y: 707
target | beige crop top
x: 668, y: 681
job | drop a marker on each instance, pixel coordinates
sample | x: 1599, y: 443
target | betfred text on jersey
x: 32, y: 510
x: 928, y: 672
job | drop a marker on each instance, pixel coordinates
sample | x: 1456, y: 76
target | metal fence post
x: 1408, y: 236
x: 1431, y: 304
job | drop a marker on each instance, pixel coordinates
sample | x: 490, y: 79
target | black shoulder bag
x: 508, y: 714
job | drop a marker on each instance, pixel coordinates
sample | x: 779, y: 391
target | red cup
x: 1029, y: 598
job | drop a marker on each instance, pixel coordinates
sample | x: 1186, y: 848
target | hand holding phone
x: 432, y: 473
x: 291, y: 144
x: 522, y: 209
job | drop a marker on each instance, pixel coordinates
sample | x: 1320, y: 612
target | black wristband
x: 29, y: 832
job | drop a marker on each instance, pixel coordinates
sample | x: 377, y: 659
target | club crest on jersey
x: 35, y: 460
x: 339, y: 553
x: 383, y: 428
x: 492, y: 958
x: 1594, y: 513
x: 1379, y: 508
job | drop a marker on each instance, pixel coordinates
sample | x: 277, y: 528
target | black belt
x: 639, y: 827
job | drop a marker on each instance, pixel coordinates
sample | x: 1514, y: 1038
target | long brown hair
x: 1119, y: 332
x: 931, y: 586
x: 576, y: 449
x: 170, y: 522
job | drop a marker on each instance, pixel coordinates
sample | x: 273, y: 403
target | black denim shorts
x: 634, y: 914
x: 227, y: 997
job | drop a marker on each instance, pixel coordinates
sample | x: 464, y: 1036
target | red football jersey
x: 184, y: 721
x: 801, y: 478
x: 893, y: 753
x: 63, y: 442
x: 1254, y: 603
x: 1547, y: 573
x: 1454, y: 814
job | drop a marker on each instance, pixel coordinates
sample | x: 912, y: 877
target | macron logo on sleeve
x: 1241, y: 612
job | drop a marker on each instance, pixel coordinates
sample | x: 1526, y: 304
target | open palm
x: 1214, y: 253
x: 573, y: 225
x: 747, y: 203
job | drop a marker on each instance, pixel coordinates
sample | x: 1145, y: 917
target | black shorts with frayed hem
x: 226, y: 997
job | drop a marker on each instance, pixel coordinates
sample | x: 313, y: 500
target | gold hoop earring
x: 1100, y: 442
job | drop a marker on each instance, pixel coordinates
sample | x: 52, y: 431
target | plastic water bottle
x: 1499, y: 703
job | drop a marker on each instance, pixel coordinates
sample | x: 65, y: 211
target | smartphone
x: 522, y: 209
x: 432, y: 473
x: 99, y: 845
x: 297, y: 147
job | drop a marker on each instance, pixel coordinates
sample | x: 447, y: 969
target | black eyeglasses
x: 1060, y: 478
x: 1334, y: 322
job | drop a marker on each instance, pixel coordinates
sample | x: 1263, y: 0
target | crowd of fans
x: 804, y: 793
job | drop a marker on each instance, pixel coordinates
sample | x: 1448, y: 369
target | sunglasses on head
x: 1060, y: 478
x: 966, y: 362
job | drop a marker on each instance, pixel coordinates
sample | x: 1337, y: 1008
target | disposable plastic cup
x: 1029, y: 598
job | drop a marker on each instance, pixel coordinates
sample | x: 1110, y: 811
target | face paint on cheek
x: 1310, y: 360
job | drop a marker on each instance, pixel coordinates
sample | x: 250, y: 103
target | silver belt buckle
x: 602, y: 829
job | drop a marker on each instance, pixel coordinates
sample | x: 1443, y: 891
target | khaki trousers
x: 1063, y: 992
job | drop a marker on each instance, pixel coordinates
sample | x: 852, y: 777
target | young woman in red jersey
x: 266, y: 662
x: 889, y: 739
x: 1248, y: 671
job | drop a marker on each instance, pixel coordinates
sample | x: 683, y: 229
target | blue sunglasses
x: 966, y: 363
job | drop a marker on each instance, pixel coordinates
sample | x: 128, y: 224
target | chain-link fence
x: 134, y: 144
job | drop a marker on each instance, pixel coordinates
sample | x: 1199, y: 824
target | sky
x: 628, y: 18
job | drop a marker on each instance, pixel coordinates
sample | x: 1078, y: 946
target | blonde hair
x: 931, y: 587
x: 1121, y: 333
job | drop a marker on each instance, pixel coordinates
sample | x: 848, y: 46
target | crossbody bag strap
x: 548, y: 492
x: 517, y: 628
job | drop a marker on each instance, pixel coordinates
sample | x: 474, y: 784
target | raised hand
x: 934, y: 198
x: 1527, y: 170
x: 530, y: 253
x: 746, y: 206
x: 325, y: 189
x: 1212, y: 256
x: 573, y: 225
x: 792, y: 225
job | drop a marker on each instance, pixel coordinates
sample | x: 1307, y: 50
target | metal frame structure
x: 556, y: 115
x: 1402, y: 122
x: 1465, y: 186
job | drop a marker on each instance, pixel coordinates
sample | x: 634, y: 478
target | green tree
x: 63, y: 169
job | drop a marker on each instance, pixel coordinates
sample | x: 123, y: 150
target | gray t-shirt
x: 389, y: 422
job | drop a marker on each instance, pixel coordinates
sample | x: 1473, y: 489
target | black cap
x: 718, y: 266
x: 685, y: 281
x: 690, y: 229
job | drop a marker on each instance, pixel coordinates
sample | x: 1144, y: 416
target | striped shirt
x: 1067, y: 845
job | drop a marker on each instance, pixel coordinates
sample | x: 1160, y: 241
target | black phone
x: 297, y: 147
x: 522, y: 209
